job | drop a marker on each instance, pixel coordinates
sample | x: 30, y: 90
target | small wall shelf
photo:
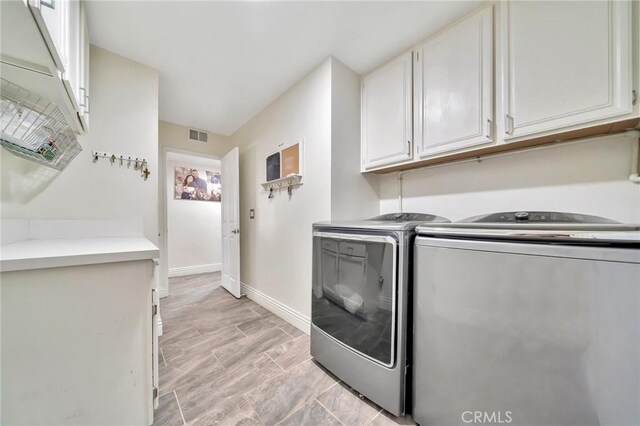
x: 291, y: 181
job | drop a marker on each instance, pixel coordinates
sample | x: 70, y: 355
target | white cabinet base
x: 77, y: 345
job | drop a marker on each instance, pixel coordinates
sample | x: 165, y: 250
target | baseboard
x: 192, y: 270
x: 163, y: 292
x: 385, y: 303
x: 283, y: 311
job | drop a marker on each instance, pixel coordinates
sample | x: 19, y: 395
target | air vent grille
x: 197, y: 135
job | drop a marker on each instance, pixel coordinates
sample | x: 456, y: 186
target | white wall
x: 585, y: 177
x: 353, y: 195
x: 176, y: 136
x: 276, y: 245
x: 124, y: 120
x: 194, y: 227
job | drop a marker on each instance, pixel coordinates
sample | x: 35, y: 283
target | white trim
x: 288, y: 314
x: 192, y: 270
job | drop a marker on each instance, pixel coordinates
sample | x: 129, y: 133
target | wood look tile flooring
x: 227, y: 361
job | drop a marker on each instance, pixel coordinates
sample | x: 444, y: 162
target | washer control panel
x: 536, y: 217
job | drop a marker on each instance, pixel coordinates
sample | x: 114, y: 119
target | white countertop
x: 39, y: 254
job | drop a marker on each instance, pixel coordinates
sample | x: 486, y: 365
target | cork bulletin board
x: 291, y: 160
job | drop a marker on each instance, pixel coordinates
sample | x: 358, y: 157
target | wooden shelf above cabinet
x: 599, y: 130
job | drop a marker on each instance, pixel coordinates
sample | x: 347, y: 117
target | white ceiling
x: 220, y: 63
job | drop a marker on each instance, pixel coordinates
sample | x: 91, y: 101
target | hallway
x: 228, y: 361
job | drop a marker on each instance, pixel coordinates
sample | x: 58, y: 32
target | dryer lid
x: 409, y: 217
x: 387, y: 222
x: 539, y: 217
x: 540, y: 225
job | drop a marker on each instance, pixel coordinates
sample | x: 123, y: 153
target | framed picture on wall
x: 197, y: 184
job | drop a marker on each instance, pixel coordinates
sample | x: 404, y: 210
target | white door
x: 387, y: 114
x: 565, y: 63
x: 453, y: 87
x: 231, y: 222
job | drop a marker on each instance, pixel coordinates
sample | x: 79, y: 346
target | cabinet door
x: 453, y: 87
x: 387, y: 114
x: 71, y: 31
x: 565, y: 63
x: 84, y: 69
x: 49, y: 15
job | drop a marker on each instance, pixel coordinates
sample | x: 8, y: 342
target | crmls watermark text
x: 486, y: 417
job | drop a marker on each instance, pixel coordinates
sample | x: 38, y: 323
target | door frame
x: 163, y: 200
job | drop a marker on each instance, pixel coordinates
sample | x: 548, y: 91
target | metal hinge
x: 634, y: 97
x: 155, y: 301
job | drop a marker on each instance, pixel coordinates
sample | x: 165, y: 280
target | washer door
x: 354, y: 292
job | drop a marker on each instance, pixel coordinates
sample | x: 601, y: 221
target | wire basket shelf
x: 34, y: 128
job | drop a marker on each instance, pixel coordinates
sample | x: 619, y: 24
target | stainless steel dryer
x: 359, y: 304
x: 527, y: 318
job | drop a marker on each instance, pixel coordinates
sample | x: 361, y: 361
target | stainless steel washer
x: 527, y: 318
x: 359, y: 304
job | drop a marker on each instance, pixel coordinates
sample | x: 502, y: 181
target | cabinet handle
x: 408, y: 147
x: 83, y: 97
x: 488, y: 130
x: 51, y: 4
x: 86, y: 107
x: 508, y: 124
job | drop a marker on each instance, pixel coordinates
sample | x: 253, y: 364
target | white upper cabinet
x: 50, y: 16
x: 84, y: 69
x: 564, y: 64
x: 453, y: 87
x: 45, y: 50
x: 73, y: 67
x: 387, y: 114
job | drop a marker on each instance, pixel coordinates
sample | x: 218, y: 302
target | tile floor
x: 232, y: 362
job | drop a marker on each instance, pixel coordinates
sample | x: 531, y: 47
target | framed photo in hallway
x: 197, y: 184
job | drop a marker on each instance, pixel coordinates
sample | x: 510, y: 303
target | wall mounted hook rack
x: 139, y: 163
x: 288, y: 182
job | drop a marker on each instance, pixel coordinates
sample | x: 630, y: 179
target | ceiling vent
x: 197, y: 135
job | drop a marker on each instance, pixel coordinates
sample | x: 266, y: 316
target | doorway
x: 192, y: 214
